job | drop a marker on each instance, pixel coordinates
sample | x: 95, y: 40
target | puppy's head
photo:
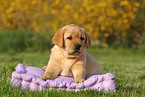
x: 73, y: 39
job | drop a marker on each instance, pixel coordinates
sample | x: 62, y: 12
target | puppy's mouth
x: 74, y: 54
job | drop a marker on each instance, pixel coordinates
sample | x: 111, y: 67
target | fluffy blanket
x: 28, y: 78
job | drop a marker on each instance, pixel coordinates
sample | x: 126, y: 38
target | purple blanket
x: 28, y: 78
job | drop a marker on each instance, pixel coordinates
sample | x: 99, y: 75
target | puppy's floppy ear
x: 88, y: 39
x: 58, y: 38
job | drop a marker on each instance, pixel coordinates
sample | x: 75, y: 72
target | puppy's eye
x: 70, y: 38
x: 82, y: 38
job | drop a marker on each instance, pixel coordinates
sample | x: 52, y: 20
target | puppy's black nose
x: 77, y: 46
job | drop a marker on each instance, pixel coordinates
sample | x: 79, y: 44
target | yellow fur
x: 65, y: 61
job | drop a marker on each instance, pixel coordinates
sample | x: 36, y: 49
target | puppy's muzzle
x: 77, y: 46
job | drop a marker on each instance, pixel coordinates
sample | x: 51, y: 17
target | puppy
x: 68, y: 56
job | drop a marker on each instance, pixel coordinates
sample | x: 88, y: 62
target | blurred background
x: 30, y: 24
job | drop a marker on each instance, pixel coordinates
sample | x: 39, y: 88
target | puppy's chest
x: 66, y: 67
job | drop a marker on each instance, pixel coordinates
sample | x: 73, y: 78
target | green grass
x: 21, y: 40
x: 127, y: 65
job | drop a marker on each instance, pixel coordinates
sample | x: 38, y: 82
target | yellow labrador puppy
x: 68, y: 56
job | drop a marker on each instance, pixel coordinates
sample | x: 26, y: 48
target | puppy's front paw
x: 79, y: 80
x: 44, y: 77
x: 48, y: 76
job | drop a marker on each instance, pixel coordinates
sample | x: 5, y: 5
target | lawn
x: 127, y: 65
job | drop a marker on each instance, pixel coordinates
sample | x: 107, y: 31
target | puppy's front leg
x: 78, y: 71
x: 52, y: 71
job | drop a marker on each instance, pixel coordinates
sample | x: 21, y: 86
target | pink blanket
x: 28, y: 78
